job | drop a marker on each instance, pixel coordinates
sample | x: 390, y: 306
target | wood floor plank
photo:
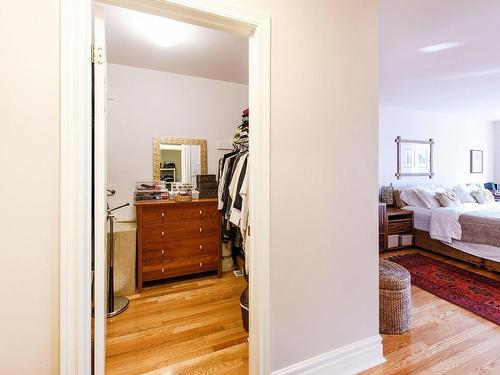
x: 192, y: 326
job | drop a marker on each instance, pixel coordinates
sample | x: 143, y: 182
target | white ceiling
x: 205, y: 53
x: 464, y: 79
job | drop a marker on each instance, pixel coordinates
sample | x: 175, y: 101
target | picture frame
x: 476, y: 161
x: 414, y: 158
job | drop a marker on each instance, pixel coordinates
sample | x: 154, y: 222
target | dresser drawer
x: 154, y: 253
x: 179, y: 231
x: 210, y: 245
x: 154, y: 215
x: 172, y: 252
x: 152, y: 234
x: 160, y: 215
x: 208, y: 213
x: 178, y: 267
x: 209, y: 229
x: 180, y: 249
x: 187, y: 230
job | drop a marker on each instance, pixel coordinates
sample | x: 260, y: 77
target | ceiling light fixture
x: 480, y: 73
x: 440, y: 47
x: 159, y: 30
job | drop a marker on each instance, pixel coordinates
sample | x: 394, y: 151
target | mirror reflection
x: 179, y: 160
x: 179, y: 163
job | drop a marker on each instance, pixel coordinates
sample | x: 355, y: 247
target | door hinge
x: 96, y: 55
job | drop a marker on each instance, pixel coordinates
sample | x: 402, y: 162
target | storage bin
x: 150, y: 186
x: 244, y: 303
x: 406, y: 239
x: 394, y: 298
x: 201, y: 178
x: 207, y: 185
x: 208, y: 193
x: 393, y: 241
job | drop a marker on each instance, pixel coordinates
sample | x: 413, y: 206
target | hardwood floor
x: 192, y: 326
x: 444, y: 338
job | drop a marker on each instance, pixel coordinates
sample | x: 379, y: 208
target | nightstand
x: 395, y: 225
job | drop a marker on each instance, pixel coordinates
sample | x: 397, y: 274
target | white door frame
x: 75, y: 219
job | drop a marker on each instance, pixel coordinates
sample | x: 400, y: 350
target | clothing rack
x: 233, y: 191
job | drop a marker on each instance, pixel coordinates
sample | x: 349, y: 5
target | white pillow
x: 448, y: 199
x: 410, y: 197
x: 483, y: 196
x: 435, y: 188
x: 428, y: 197
x: 464, y: 192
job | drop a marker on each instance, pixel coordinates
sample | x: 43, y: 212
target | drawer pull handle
x: 162, y: 252
x: 201, y: 230
x: 201, y: 212
x: 163, y: 270
x: 201, y: 264
x: 163, y: 234
x: 201, y: 247
x: 163, y: 214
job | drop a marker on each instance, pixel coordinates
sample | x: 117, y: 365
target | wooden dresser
x: 177, y: 238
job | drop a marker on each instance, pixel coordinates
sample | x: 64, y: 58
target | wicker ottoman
x: 394, y: 298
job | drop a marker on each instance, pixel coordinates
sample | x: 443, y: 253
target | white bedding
x: 444, y: 220
x: 442, y: 224
x: 421, y: 217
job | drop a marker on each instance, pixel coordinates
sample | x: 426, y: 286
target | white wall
x: 324, y: 257
x: 454, y: 137
x: 29, y: 192
x: 496, y: 162
x: 149, y: 103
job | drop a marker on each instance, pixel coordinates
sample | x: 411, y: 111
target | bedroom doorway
x: 437, y: 209
x: 75, y: 34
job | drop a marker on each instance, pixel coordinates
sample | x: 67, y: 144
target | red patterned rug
x: 474, y: 292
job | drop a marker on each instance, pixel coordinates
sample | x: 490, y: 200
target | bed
x: 470, y: 232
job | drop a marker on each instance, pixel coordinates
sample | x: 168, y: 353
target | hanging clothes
x: 233, y: 189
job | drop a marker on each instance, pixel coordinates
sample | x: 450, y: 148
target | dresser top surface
x: 162, y: 202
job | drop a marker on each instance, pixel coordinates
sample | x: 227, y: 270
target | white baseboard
x: 347, y: 360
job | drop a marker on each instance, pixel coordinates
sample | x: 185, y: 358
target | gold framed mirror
x: 179, y: 159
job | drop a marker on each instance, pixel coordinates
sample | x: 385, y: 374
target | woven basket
x: 394, y: 298
x: 183, y: 198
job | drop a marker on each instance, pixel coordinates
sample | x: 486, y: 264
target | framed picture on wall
x: 414, y: 158
x: 476, y: 161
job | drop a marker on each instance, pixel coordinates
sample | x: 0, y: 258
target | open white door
x: 99, y: 189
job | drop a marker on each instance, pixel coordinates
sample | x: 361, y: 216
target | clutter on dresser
x: 183, y: 196
x: 150, y: 190
x: 182, y: 191
x: 178, y: 186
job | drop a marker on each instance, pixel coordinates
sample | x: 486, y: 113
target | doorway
x: 75, y: 81
x: 176, y: 93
